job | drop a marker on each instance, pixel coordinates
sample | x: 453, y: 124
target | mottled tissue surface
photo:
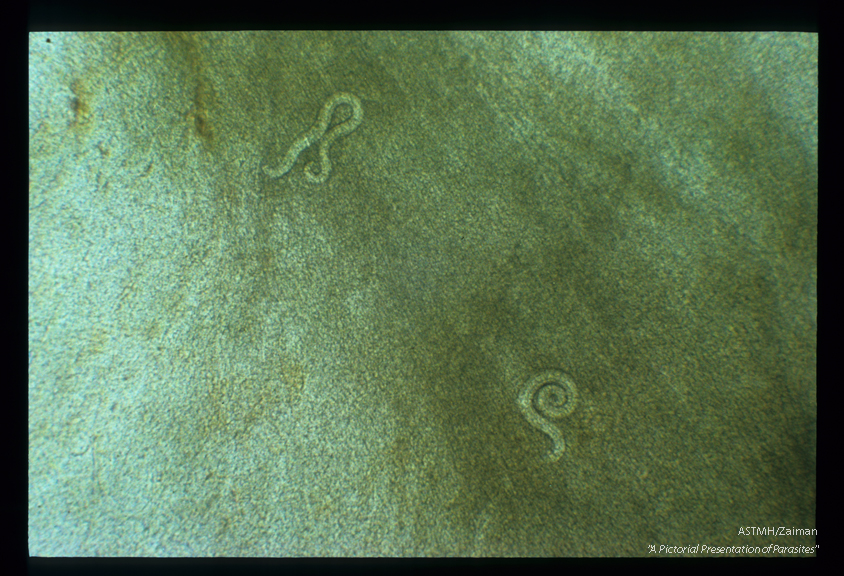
x: 330, y: 361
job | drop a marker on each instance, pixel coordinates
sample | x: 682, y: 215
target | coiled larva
x: 547, y: 396
x: 318, y: 133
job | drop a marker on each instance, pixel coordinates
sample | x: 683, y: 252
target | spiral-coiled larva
x: 549, y: 395
x: 318, y: 134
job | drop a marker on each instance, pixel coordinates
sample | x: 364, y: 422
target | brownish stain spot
x: 204, y: 99
x: 80, y: 105
x: 185, y: 49
x: 292, y: 379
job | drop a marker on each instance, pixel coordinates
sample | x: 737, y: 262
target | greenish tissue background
x: 221, y: 363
